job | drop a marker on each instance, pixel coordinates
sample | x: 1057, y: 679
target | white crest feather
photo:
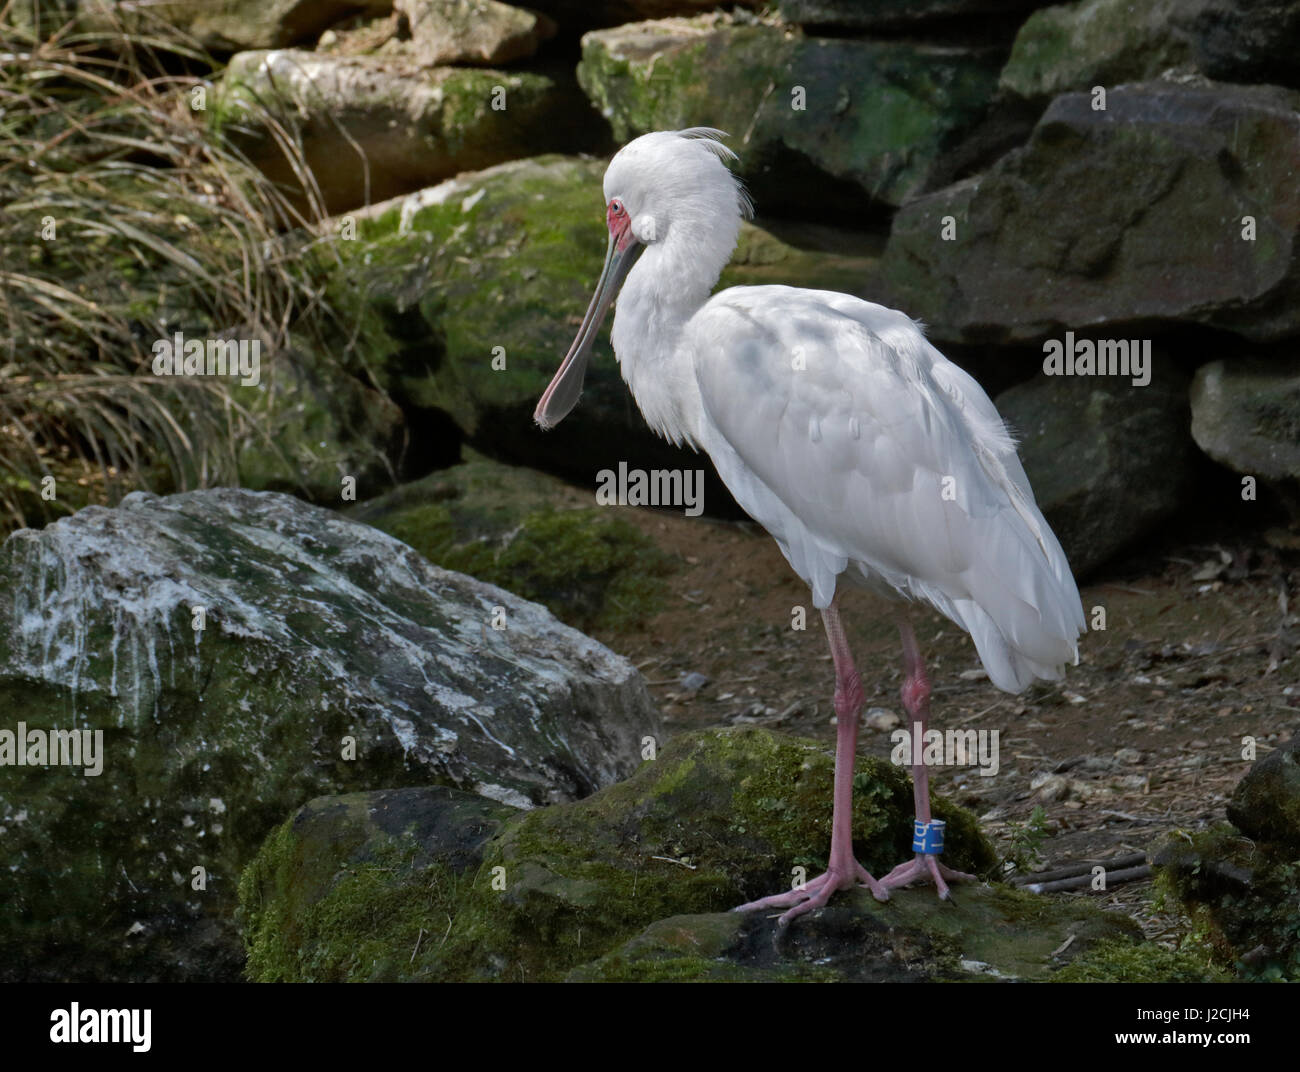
x: 711, y: 139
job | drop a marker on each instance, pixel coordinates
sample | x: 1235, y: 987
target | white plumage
x: 869, y: 454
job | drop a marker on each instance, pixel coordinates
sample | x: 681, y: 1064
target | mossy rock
x: 526, y: 532
x: 1073, y: 47
x: 375, y: 127
x: 338, y: 861
x: 840, y: 122
x: 1265, y: 804
x: 1063, y: 231
x: 1078, y: 433
x: 1246, y: 416
x: 320, y: 425
x: 227, y: 26
x: 1243, y: 896
x: 987, y: 933
x: 719, y: 817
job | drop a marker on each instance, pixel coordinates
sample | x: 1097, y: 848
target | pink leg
x: 844, y: 872
x: 916, y: 702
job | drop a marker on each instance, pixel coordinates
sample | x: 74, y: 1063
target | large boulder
x: 373, y: 127
x: 1246, y: 415
x: 1106, y: 42
x: 824, y: 123
x: 1108, y: 461
x: 1174, y: 203
x: 342, y: 855
x: 239, y: 653
x: 480, y: 283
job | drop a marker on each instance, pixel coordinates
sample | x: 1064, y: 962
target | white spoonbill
x: 866, y: 453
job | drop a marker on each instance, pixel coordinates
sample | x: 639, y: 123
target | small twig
x: 1113, y: 878
x: 978, y: 714
x: 753, y: 122
x: 1063, y: 946
x: 1081, y: 867
x: 679, y: 863
x: 418, y: 940
x: 1130, y: 818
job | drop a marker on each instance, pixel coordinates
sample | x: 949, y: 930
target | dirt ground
x: 1142, y: 738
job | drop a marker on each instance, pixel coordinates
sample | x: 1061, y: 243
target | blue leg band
x: 928, y: 837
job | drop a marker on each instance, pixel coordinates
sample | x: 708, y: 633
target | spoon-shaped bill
x: 563, y: 392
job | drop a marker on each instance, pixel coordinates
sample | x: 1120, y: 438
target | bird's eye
x: 617, y: 206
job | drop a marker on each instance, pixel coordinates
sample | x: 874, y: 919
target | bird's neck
x: 664, y: 289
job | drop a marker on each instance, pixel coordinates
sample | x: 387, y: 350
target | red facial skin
x: 620, y: 225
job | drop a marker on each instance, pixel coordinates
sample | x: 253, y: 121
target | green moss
x: 689, y: 949
x: 597, y: 568
x: 1095, y: 42
x: 635, y: 883
x: 719, y: 818
x: 536, y: 231
x: 591, y: 568
x: 374, y: 905
x: 265, y: 908
x: 336, y: 892
x: 761, y: 259
x: 1117, y: 961
x: 1042, y: 46
x: 427, y: 528
x: 1243, y: 897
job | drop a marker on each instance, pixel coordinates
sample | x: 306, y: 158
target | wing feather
x: 861, y: 448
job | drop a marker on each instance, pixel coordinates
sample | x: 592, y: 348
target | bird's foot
x: 925, y: 867
x: 816, y: 892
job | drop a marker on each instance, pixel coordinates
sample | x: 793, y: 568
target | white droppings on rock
x: 404, y: 730
x: 506, y: 796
